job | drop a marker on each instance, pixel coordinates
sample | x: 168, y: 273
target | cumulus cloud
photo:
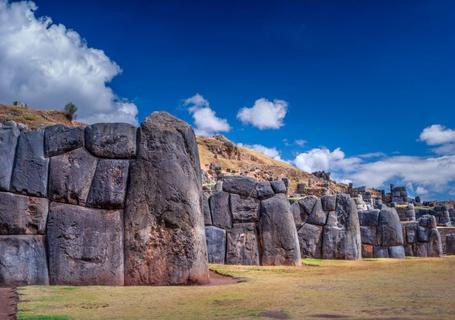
x: 300, y: 142
x: 270, y: 152
x: 47, y: 65
x: 441, y: 137
x: 205, y: 120
x: 264, y: 114
x: 322, y: 159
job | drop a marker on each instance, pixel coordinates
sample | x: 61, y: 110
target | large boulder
x: 241, y: 185
x: 71, y: 176
x: 279, y: 186
x: 242, y: 244
x: 164, y: 225
x: 109, y: 184
x: 450, y: 244
x: 244, y: 209
x: 85, y: 245
x: 59, y: 139
x: 434, y: 244
x: 264, y: 190
x: 278, y: 234
x: 111, y: 140
x: 216, y: 244
x: 23, y: 261
x: 30, y: 167
x: 206, y: 209
x: 317, y: 215
x: 219, y: 207
x: 390, y: 227
x: 9, y: 133
x: 310, y: 240
x: 22, y: 214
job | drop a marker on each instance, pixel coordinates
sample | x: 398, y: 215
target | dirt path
x: 8, y: 300
x: 217, y: 279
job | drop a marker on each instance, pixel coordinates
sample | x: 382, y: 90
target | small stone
x: 279, y: 186
x: 244, y: 209
x: 242, y: 245
x: 59, y: 139
x: 9, y: 134
x: 380, y: 252
x: 264, y: 190
x: 397, y: 252
x: 244, y: 186
x: 111, y: 140
x: 216, y: 244
x: 367, y: 251
x: 219, y: 207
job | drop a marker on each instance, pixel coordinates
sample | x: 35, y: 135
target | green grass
x: 320, y: 289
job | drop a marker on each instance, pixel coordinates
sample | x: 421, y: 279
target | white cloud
x: 322, y: 159
x: 421, y: 191
x: 437, y: 134
x: 264, y: 114
x: 270, y: 152
x: 47, y: 65
x: 205, y: 120
x: 300, y: 142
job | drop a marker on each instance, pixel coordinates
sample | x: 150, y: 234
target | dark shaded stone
x: 219, y: 207
x: 9, y: 134
x: 410, y: 212
x: 109, y: 184
x: 367, y: 251
x: 244, y: 209
x: 409, y: 250
x: 369, y: 235
x: 427, y: 221
x: 264, y: 190
x: 216, y: 244
x: 450, y: 244
x: 278, y: 234
x: 317, y: 215
x: 59, y: 139
x: 329, y: 203
x: 23, y: 261
x: 71, y: 176
x: 30, y: 167
x: 279, y: 186
x: 242, y: 244
x: 85, y: 245
x: 310, y: 240
x: 389, y: 227
x: 307, y: 203
x: 380, y: 252
x: 333, y: 244
x: 397, y: 252
x: 22, y: 215
x: 164, y: 225
x: 369, y: 217
x: 423, y: 234
x: 206, y: 209
x: 111, y: 140
x: 295, y: 209
x: 411, y: 232
x: 244, y: 186
x: 421, y: 249
x: 434, y: 244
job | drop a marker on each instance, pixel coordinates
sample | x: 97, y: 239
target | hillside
x: 219, y: 156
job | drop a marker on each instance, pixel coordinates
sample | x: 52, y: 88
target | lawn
x: 320, y: 289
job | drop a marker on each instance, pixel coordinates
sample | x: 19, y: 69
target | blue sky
x: 362, y: 76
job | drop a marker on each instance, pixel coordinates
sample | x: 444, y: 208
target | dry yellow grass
x: 368, y: 289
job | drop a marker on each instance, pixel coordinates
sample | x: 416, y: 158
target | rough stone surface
x: 411, y: 232
x: 244, y: 209
x: 264, y: 190
x: 244, y: 186
x: 367, y: 251
x: 317, y: 215
x: 397, y: 252
x: 22, y: 215
x: 164, y: 225
x: 9, y: 134
x: 328, y: 203
x: 242, y: 245
x: 369, y: 235
x: 85, y: 245
x: 279, y: 186
x: 71, y: 176
x: 310, y: 240
x: 59, y: 139
x: 109, y: 184
x: 423, y: 234
x: 219, y: 206
x: 295, y: 209
x: 333, y: 244
x: 434, y: 244
x: 23, y: 261
x: 111, y: 140
x: 450, y: 244
x: 278, y: 234
x: 31, y: 168
x: 390, y: 227
x: 380, y: 252
x: 216, y: 244
x: 369, y: 217
x: 307, y: 203
x: 206, y: 209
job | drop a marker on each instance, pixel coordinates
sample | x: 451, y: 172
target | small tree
x: 70, y: 111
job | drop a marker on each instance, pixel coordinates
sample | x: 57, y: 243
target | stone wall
x: 447, y: 239
x: 101, y: 204
x: 250, y: 222
x: 440, y: 212
x: 328, y: 227
x: 422, y: 238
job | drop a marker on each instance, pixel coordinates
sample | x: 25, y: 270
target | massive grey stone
x: 111, y: 140
x: 164, y: 225
x: 295, y: 209
x: 369, y: 217
x: 71, y: 176
x: 390, y: 227
x: 264, y: 190
x: 244, y: 186
x: 216, y: 244
x: 369, y: 235
x: 450, y: 244
x: 317, y: 215
x: 85, y: 245
x: 423, y: 234
x: 328, y: 203
x: 23, y: 261
x: 9, y: 134
x: 380, y: 252
x: 219, y: 207
x: 397, y: 252
x: 278, y: 234
x: 310, y: 240
x: 242, y: 244
x: 279, y: 186
x: 206, y: 209
x: 421, y: 249
x: 244, y: 209
x: 427, y: 221
x: 22, y: 215
x: 333, y: 243
x: 410, y: 212
x: 307, y: 203
x: 109, y: 184
x: 411, y: 232
x: 434, y: 244
x: 30, y: 168
x: 59, y: 139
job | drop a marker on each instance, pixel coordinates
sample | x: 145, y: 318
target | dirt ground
x: 7, y: 303
x: 418, y: 288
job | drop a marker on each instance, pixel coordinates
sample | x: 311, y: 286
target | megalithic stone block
x: 310, y: 240
x: 111, y: 140
x: 216, y: 244
x: 242, y: 244
x: 9, y: 133
x: 59, y: 139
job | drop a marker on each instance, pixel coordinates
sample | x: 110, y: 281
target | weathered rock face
x: 60, y: 139
x: 216, y: 244
x: 85, y: 245
x: 310, y: 239
x: 206, y: 209
x: 242, y: 245
x: 111, y: 140
x: 31, y: 167
x: 9, y: 134
x: 391, y: 233
x: 163, y: 207
x: 244, y: 209
x: 22, y: 215
x: 422, y: 238
x: 23, y: 260
x: 219, y: 206
x: 244, y: 186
